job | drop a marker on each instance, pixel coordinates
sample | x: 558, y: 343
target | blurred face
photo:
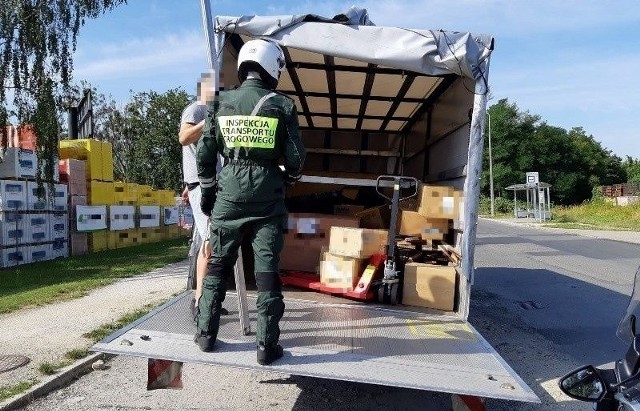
x: 207, y: 91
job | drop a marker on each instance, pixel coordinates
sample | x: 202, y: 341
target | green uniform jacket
x: 256, y: 144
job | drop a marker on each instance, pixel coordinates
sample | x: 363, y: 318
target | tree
x: 632, y: 167
x: 152, y: 122
x: 37, y: 41
x: 571, y: 161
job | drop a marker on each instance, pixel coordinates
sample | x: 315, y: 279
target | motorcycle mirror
x: 584, y: 384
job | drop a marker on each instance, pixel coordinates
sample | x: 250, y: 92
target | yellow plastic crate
x: 87, y: 149
x: 107, y: 161
x: 100, y: 193
x: 98, y: 241
x: 166, y: 198
x: 126, y: 238
x: 145, y: 195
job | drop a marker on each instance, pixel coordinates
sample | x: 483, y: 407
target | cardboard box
x: 37, y: 228
x: 55, y: 172
x: 60, y: 249
x: 306, y: 235
x: 149, y: 216
x: 18, y: 163
x: 91, y: 218
x: 37, y: 197
x: 40, y: 252
x: 60, y: 198
x: 439, y: 201
x: 413, y: 223
x: 89, y: 150
x: 431, y: 286
x: 13, y: 195
x: 59, y: 227
x: 13, y: 256
x: 79, y: 243
x: 357, y: 242
x: 122, y: 217
x: 376, y: 218
x: 341, y: 272
x: 22, y: 136
x: 73, y: 202
x: 145, y: 195
x: 98, y: 241
x: 12, y: 228
x: 349, y: 210
x: 74, y: 173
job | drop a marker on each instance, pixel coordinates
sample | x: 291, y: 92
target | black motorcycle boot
x: 267, y: 355
x: 205, y: 341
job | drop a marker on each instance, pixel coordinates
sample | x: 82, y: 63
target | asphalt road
x: 547, y: 302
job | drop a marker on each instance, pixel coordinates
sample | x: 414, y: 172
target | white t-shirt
x: 194, y: 114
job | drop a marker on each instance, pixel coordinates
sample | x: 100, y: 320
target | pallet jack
x: 388, y: 288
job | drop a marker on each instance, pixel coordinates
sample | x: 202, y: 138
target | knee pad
x: 218, y: 270
x: 268, y: 281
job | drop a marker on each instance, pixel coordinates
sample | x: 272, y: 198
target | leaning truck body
x: 371, y: 101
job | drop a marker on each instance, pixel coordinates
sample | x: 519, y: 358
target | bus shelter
x: 538, y: 200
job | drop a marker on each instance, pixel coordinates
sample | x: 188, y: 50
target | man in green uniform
x: 254, y: 128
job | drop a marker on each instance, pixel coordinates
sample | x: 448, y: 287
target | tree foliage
x: 152, y: 121
x: 632, y: 167
x: 571, y: 161
x: 37, y: 41
x: 143, y: 133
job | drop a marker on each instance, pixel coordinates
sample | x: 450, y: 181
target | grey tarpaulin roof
x: 429, y: 52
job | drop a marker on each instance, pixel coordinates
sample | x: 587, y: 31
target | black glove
x: 206, y: 204
x: 290, y: 180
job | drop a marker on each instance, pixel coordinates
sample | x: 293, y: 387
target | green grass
x: 107, y: 329
x: 7, y: 392
x: 597, y: 215
x: 76, y: 354
x: 68, y: 278
x: 50, y: 368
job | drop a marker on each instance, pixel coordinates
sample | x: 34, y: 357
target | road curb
x: 63, y: 377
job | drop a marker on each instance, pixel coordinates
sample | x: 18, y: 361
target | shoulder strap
x: 261, y: 103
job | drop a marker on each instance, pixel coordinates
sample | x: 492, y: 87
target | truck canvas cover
x: 346, y: 75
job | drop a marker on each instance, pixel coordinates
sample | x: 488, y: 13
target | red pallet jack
x: 363, y: 290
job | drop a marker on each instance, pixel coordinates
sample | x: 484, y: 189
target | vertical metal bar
x: 238, y: 272
x: 241, y: 289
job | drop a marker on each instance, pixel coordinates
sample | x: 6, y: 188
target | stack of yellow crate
x: 103, y: 190
x: 100, y: 187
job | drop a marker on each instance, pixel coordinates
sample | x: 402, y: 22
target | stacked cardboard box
x: 306, y: 236
x: 431, y: 286
x: 73, y: 173
x: 32, y: 220
x: 22, y: 137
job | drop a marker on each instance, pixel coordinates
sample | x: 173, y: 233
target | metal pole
x: 241, y: 289
x: 491, y: 170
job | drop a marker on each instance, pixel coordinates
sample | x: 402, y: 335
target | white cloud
x: 140, y: 55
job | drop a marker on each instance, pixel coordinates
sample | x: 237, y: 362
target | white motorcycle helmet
x: 265, y: 57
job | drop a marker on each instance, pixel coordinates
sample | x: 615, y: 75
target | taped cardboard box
x: 413, y: 223
x: 357, y: 242
x: 74, y: 173
x: 13, y: 195
x: 341, y: 272
x: 349, y: 210
x: 306, y: 235
x: 376, y: 218
x: 439, y: 201
x: 18, y: 163
x: 430, y: 286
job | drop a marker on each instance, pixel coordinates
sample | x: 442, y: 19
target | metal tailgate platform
x: 336, y: 341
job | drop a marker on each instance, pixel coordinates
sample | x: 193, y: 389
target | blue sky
x: 574, y: 63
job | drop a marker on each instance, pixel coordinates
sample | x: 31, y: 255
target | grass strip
x: 7, y: 392
x: 597, y: 215
x: 107, y: 329
x: 64, y: 279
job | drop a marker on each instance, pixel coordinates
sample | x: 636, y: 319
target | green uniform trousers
x: 264, y: 223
